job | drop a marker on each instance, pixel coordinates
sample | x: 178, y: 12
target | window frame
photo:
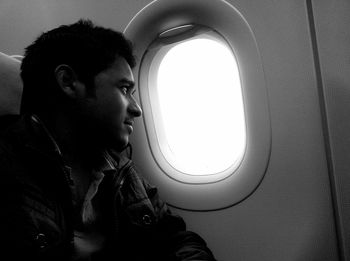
x: 223, y: 17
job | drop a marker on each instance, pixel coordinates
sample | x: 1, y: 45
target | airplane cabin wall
x: 333, y: 41
x: 290, y: 216
x: 23, y: 20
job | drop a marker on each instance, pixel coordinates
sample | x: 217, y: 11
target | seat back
x: 10, y: 84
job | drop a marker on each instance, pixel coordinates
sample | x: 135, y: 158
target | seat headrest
x: 10, y: 84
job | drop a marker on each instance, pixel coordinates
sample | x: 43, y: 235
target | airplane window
x: 206, y: 129
x: 197, y: 106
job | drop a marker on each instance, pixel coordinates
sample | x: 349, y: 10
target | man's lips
x: 129, y: 124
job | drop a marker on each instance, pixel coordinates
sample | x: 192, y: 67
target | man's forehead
x: 120, y: 71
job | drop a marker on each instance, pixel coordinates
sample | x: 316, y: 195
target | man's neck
x: 77, y: 145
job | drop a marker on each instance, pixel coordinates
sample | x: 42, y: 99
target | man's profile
x: 69, y: 188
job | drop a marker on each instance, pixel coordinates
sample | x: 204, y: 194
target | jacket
x: 36, y: 218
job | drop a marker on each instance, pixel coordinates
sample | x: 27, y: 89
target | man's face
x: 111, y: 112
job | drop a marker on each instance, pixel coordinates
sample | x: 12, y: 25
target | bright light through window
x: 201, y: 108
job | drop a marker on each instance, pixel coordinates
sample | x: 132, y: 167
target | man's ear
x: 67, y: 80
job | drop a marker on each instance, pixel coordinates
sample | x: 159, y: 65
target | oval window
x: 197, y: 105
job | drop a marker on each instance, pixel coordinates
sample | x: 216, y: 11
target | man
x: 68, y: 190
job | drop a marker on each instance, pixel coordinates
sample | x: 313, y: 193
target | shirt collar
x: 108, y: 164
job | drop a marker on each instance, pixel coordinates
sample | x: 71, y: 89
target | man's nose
x: 134, y: 108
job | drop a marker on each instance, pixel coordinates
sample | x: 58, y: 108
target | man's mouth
x: 129, y: 124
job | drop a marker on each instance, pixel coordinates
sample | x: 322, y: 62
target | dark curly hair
x: 88, y: 49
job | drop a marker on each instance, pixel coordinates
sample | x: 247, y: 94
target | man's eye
x: 124, y: 90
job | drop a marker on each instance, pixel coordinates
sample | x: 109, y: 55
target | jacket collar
x: 41, y: 139
x: 31, y: 132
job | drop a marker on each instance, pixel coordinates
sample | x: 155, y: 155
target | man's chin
x: 118, y: 145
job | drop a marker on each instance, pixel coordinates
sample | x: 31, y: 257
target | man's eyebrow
x: 128, y: 82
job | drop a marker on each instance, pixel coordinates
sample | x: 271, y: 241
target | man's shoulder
x: 9, y: 130
x: 11, y: 150
x: 13, y: 134
x: 7, y: 122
